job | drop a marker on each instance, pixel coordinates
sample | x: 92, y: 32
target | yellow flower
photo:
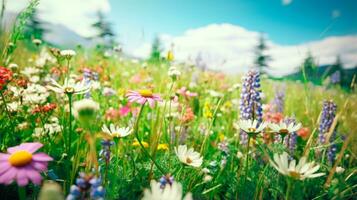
x: 137, y: 144
x: 228, y: 104
x: 207, y: 110
x: 121, y: 92
x: 170, y: 56
x: 221, y: 136
x: 164, y: 147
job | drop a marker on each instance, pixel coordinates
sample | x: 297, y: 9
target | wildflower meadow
x: 93, y: 123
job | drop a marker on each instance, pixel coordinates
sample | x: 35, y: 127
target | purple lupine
x: 335, y: 78
x: 250, y: 100
x: 291, y: 140
x: 166, y: 180
x: 326, y: 120
x: 87, y: 75
x: 87, y: 187
x: 223, y: 146
x: 95, y: 76
x: 105, y: 152
x: 331, y: 151
x: 278, y: 101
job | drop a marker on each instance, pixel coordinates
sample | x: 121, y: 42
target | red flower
x: 49, y: 107
x: 304, y: 133
x: 5, y: 76
x: 188, y: 116
x: 45, y: 108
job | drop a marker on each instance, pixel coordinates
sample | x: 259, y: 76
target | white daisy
x: 251, y: 126
x: 37, y: 41
x: 285, y: 128
x: 115, y: 131
x: 300, y: 171
x: 174, y: 72
x: 69, y: 87
x: 170, y: 192
x: 13, y: 66
x: 35, y: 94
x: 30, y: 71
x: 85, y: 107
x: 188, y: 156
x: 13, y: 106
x: 68, y: 54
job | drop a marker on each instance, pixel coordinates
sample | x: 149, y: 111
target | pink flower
x: 184, y: 92
x: 124, y: 111
x: 143, y: 96
x: 112, y: 114
x: 136, y: 79
x: 21, y: 164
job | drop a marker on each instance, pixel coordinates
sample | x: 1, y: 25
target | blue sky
x: 299, y: 21
x: 223, y: 32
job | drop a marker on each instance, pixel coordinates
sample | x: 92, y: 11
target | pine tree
x: 309, y: 65
x: 34, y: 28
x: 155, y: 54
x: 262, y: 59
x: 104, y: 30
x: 336, y: 71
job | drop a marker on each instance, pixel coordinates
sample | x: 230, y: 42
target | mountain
x: 325, y: 74
x: 64, y: 37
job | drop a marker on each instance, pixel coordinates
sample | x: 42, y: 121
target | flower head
x: 5, y: 76
x: 87, y: 185
x: 143, y: 96
x: 68, y: 54
x: 327, y: 116
x: 188, y: 156
x: 85, y: 108
x: 163, y: 147
x: 169, y: 192
x: 37, y: 42
x: 304, y: 133
x: 174, y: 73
x: 115, y: 131
x: 251, y: 127
x: 22, y: 164
x: 69, y: 87
x: 137, y: 144
x: 250, y: 100
x: 300, y: 171
x: 284, y: 128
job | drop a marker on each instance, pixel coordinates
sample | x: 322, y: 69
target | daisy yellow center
x: 188, y: 160
x: 20, y: 158
x: 69, y: 90
x: 117, y: 134
x: 251, y: 130
x: 145, y: 93
x: 294, y: 174
x: 283, y: 131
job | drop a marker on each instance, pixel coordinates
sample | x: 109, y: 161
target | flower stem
x: 288, y: 189
x: 136, y: 127
x: 22, y: 193
x: 70, y: 126
x: 247, y: 160
x: 8, y: 114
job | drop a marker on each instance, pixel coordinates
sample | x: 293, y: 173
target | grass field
x: 111, y: 127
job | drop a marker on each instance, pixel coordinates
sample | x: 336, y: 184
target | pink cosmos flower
x: 143, y: 96
x: 124, y: 111
x: 186, y: 93
x: 21, y: 164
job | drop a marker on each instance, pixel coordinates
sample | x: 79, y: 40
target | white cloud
x: 230, y: 48
x: 77, y: 15
x: 286, y: 2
